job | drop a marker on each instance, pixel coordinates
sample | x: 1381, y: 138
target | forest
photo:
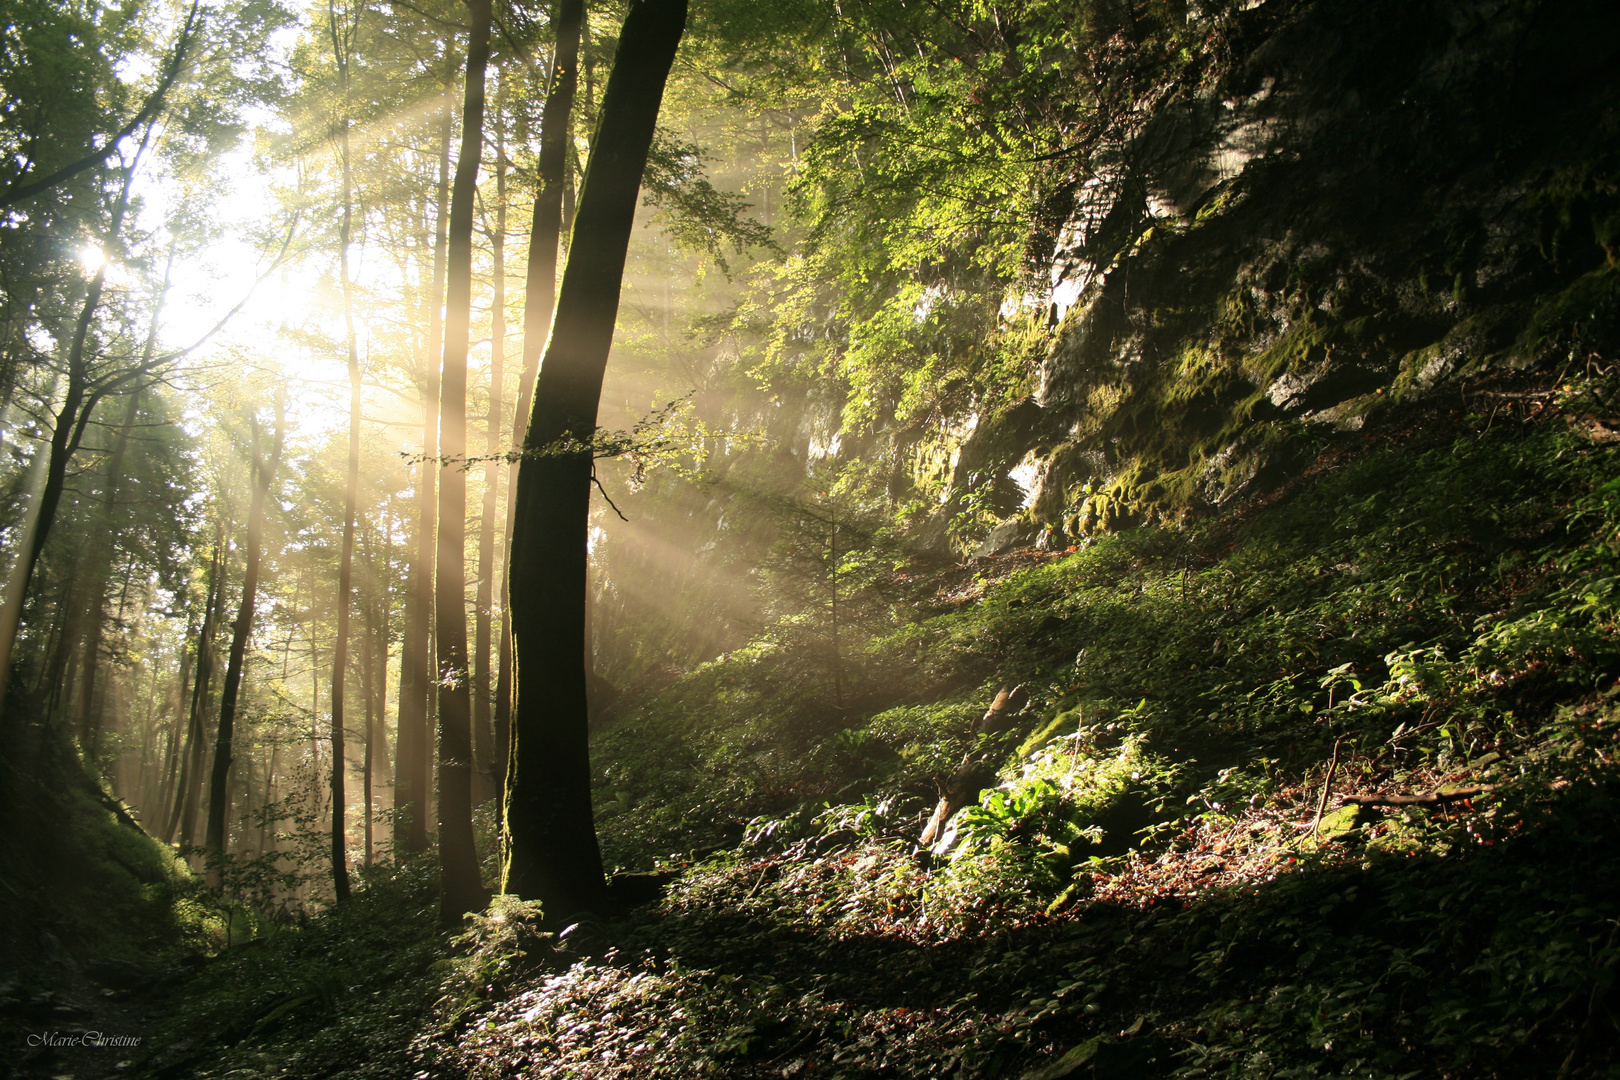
x: 820, y: 539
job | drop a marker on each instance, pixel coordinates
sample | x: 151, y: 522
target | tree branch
x: 605, y: 496
x: 281, y: 256
x: 1433, y: 798
x: 20, y: 191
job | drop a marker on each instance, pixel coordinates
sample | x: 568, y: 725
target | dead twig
x: 1327, y: 788
x: 758, y: 882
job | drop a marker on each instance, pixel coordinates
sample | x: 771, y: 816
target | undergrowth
x: 1154, y: 882
x: 1162, y: 875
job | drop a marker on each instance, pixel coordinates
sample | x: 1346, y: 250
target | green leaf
x: 1070, y: 1061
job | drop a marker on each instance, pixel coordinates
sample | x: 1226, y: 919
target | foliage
x: 1438, y: 607
x: 345, y: 993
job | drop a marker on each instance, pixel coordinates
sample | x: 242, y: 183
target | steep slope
x: 1330, y: 209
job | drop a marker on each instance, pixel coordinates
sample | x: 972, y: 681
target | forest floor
x: 1324, y: 788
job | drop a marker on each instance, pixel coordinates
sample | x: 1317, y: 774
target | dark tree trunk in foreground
x: 553, y: 855
x: 458, y: 860
x: 539, y: 294
x: 416, y: 660
x: 218, y: 788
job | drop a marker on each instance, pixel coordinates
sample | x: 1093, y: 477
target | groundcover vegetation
x: 1324, y: 787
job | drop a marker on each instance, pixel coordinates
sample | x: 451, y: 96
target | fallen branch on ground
x: 1431, y: 799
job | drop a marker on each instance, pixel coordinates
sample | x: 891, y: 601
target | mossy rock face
x: 1364, y: 205
x: 1338, y: 823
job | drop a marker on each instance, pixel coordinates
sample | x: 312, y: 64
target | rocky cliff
x: 1331, y: 209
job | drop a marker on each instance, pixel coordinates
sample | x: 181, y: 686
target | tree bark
x: 106, y: 541
x: 553, y: 855
x: 458, y: 859
x: 539, y: 296
x: 189, y: 792
x: 218, y: 789
x: 415, y: 665
x: 368, y: 678
x: 177, y: 730
x: 484, y: 784
x: 341, y: 42
x: 378, y: 621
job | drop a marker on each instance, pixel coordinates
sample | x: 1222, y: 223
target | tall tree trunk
x: 171, y: 754
x: 266, y: 841
x: 553, y: 855
x: 342, y: 39
x: 367, y: 677
x: 67, y: 632
x: 379, y: 620
x: 264, y: 474
x: 183, y: 818
x: 149, y: 771
x: 484, y: 782
x: 106, y: 542
x: 415, y: 666
x: 458, y: 859
x: 539, y: 296
x: 243, y: 799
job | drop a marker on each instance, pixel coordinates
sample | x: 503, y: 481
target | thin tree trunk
x: 367, y: 676
x: 269, y: 799
x: 244, y: 799
x: 105, y: 537
x: 106, y: 541
x: 458, y: 859
x: 314, y: 686
x: 11, y: 604
x: 171, y: 754
x: 415, y: 666
x: 832, y: 566
x: 553, y: 855
x: 484, y: 783
x: 341, y: 41
x: 148, y: 773
x: 381, y: 641
x: 264, y: 475
x: 67, y: 631
x: 183, y: 818
x: 539, y: 297
x: 374, y: 665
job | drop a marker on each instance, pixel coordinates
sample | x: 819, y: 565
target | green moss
x: 1062, y: 721
x: 1303, y: 346
x: 83, y: 873
x: 1587, y: 311
x: 1578, y: 213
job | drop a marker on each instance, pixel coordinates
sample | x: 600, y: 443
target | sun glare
x: 92, y: 258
